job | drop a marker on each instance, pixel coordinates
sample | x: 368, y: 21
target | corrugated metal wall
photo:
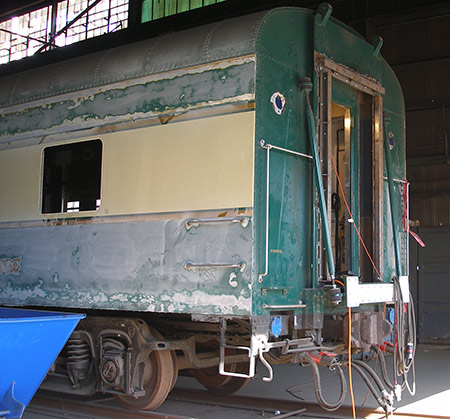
x: 419, y: 51
x: 430, y: 194
x: 432, y: 288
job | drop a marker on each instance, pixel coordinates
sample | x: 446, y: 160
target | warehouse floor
x: 294, y: 383
x: 291, y: 382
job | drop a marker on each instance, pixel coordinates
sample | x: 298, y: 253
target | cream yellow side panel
x: 20, y: 183
x: 193, y: 165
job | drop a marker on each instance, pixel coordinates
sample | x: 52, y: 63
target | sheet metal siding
x: 430, y: 195
x: 419, y: 51
x: 128, y: 266
x: 284, y: 52
x: 165, y: 76
x: 214, y: 42
x: 137, y: 265
x: 284, y: 56
x: 335, y: 41
x: 434, y: 285
x: 395, y: 126
x: 427, y: 132
x: 126, y: 103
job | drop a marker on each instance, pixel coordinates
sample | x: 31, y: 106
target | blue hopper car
x: 30, y: 342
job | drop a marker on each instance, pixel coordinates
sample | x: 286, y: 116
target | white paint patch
x: 223, y: 304
x: 232, y: 280
x: 55, y: 278
x: 123, y: 298
x: 10, y: 293
x: 100, y: 298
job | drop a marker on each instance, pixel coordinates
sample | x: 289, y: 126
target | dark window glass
x: 72, y: 176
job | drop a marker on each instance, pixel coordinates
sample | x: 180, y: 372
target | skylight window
x: 73, y: 21
x: 68, y: 21
x: 157, y: 9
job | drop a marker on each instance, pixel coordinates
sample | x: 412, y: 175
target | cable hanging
x: 341, y: 189
x: 405, y: 323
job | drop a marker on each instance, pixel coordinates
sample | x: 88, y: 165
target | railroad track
x: 52, y: 405
x: 55, y: 406
x: 313, y: 410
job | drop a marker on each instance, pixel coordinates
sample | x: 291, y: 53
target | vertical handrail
x: 266, y: 270
x: 392, y: 201
x: 305, y: 86
x: 268, y: 148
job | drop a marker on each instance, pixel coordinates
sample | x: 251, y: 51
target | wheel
x: 160, y: 375
x: 223, y: 384
x: 210, y: 377
x: 233, y: 384
x: 175, y: 368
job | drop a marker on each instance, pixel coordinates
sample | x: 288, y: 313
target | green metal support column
x: 305, y: 86
x: 392, y: 201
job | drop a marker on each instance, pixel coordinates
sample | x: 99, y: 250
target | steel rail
x: 285, y: 406
x: 55, y: 405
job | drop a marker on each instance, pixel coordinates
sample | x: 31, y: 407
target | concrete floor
x: 292, y: 382
x: 432, y: 384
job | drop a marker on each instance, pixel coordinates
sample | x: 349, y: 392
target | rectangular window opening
x: 72, y: 177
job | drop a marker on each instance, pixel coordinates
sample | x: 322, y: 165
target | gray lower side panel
x: 136, y: 266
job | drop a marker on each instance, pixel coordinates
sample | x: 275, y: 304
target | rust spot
x: 69, y: 221
x: 165, y: 120
x: 11, y: 266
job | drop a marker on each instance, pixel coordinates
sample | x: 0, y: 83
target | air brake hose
x: 372, y: 389
x: 375, y: 377
x: 384, y: 373
x: 318, y: 387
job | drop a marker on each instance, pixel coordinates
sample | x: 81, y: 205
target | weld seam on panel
x: 278, y: 61
x: 150, y: 51
x: 256, y: 30
x: 99, y: 63
x: 205, y: 53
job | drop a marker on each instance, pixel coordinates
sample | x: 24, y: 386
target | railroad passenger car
x: 201, y: 196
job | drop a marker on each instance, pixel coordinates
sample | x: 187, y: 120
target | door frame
x: 326, y: 71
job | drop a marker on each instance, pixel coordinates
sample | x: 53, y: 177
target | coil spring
x: 78, y: 353
x: 78, y: 360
